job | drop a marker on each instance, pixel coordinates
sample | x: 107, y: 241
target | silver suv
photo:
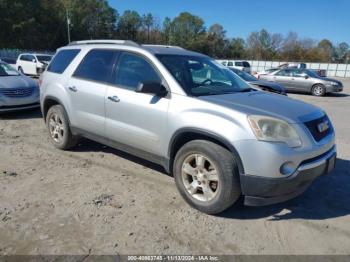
x: 219, y: 137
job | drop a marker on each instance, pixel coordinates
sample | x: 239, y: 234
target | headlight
x: 274, y: 130
x: 332, y: 83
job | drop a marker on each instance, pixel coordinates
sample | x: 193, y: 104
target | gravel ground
x: 97, y: 200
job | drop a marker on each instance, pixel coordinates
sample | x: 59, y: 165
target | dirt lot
x: 98, y: 200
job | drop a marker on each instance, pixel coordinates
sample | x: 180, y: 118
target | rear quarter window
x: 62, y: 60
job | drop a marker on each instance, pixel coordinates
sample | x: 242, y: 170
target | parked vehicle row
x: 219, y: 137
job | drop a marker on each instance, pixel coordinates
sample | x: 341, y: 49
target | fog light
x: 287, y: 168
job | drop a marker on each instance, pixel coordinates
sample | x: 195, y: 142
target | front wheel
x: 318, y: 90
x: 58, y: 126
x: 206, y: 176
x: 20, y: 70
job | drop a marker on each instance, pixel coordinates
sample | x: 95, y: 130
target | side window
x: 238, y: 63
x: 96, y: 65
x: 132, y: 70
x: 62, y: 60
x: 230, y: 64
x: 23, y: 58
x: 283, y: 73
x: 31, y: 58
x: 298, y: 73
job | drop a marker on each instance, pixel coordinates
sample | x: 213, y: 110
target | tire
x: 318, y: 90
x: 20, y: 70
x: 213, y: 194
x: 57, y: 124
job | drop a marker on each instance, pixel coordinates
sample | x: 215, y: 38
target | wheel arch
x: 317, y: 84
x: 185, y: 135
x: 48, y: 103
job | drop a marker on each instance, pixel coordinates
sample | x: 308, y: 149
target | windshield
x: 245, y: 76
x: 7, y: 70
x: 44, y: 58
x: 202, y: 76
x: 312, y: 73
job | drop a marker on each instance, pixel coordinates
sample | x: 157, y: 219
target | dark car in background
x: 263, y: 85
x: 8, y: 60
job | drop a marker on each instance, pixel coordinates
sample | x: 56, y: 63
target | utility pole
x: 68, y: 25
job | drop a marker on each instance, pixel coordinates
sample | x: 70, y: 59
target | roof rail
x: 101, y: 42
x: 166, y: 46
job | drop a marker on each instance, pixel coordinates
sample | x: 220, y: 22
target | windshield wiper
x: 246, y: 90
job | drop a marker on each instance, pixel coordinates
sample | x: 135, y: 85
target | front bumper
x: 330, y: 89
x: 8, y: 109
x: 261, y: 191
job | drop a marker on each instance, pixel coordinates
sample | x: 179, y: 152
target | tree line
x: 42, y: 25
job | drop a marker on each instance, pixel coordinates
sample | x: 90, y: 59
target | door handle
x: 114, y: 98
x: 73, y: 88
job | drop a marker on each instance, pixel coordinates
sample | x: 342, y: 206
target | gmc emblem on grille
x: 322, y: 127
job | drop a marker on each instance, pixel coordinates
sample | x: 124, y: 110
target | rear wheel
x: 318, y: 90
x: 206, y: 176
x: 58, y: 126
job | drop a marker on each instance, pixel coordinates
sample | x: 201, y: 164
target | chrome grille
x: 18, y: 92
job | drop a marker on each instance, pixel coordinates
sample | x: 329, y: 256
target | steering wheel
x: 206, y: 81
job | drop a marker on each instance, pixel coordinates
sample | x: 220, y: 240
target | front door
x: 301, y: 81
x: 284, y: 77
x: 28, y: 64
x: 135, y: 119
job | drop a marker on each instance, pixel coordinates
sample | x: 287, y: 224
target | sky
x: 316, y: 19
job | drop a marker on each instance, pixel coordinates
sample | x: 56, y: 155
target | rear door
x: 87, y: 89
x: 136, y: 119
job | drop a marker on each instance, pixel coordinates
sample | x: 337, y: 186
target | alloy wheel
x: 56, y: 128
x: 200, y: 177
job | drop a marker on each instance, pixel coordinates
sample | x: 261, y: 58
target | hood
x: 263, y: 103
x: 20, y: 81
x: 271, y: 85
x: 330, y: 80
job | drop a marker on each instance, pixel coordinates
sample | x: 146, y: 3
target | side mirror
x: 155, y: 88
x: 306, y: 76
x: 33, y: 60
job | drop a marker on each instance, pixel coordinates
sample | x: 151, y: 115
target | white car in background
x: 241, y: 65
x: 32, y: 64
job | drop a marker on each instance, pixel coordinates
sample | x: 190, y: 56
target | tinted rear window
x: 97, y: 65
x: 243, y: 64
x: 62, y: 60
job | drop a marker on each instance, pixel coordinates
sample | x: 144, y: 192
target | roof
x: 154, y: 49
x: 170, y: 50
x: 35, y: 54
